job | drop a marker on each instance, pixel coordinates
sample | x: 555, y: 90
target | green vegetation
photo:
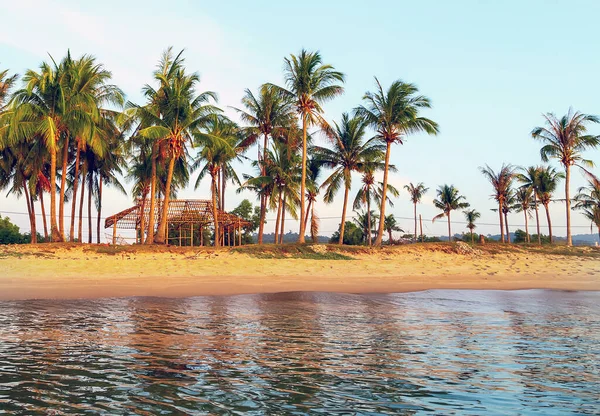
x: 448, y: 199
x: 296, y: 251
x: 66, y: 130
x: 9, y: 233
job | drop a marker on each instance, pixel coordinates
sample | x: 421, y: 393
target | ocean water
x: 434, y: 352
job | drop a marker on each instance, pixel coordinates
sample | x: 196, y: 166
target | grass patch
x: 110, y: 250
x: 292, y: 251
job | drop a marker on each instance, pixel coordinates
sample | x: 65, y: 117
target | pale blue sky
x: 491, y: 68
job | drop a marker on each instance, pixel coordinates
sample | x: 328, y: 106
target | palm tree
x: 109, y: 169
x: 6, y: 83
x: 471, y: 216
x: 20, y: 176
x: 310, y: 83
x: 267, y: 114
x: 501, y: 183
x: 416, y: 193
x: 448, y: 200
x: 366, y: 222
x: 391, y: 225
x: 565, y: 139
x: 372, y: 191
x: 523, y: 201
x: 312, y: 191
x: 394, y: 114
x: 547, y: 183
x: 588, y: 201
x: 508, y: 206
x: 529, y: 177
x: 593, y: 214
x: 140, y: 172
x: 40, y: 112
x: 174, y: 114
x: 220, y: 145
x: 350, y: 153
x: 90, y: 84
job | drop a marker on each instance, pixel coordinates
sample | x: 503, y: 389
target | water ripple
x: 439, y: 352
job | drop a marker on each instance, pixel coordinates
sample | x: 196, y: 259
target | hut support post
x: 239, y: 233
x: 192, y: 235
x: 114, y: 240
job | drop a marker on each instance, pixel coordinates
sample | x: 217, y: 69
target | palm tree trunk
x: 150, y: 234
x: 449, y: 230
x: 500, y: 205
x: 315, y: 236
x: 383, y: 194
x: 282, y: 231
x: 213, y: 189
x: 549, y: 222
x: 99, y: 210
x: 526, y: 228
x: 74, y: 201
x: 537, y: 218
x: 277, y: 221
x: 369, y: 226
x: 160, y: 238
x: 264, y: 197
x: 568, y: 203
x: 63, y: 183
x: 43, y: 214
x: 219, y: 189
x: 223, y: 182
x: 33, y: 221
x: 143, y: 214
x: 415, y: 221
x: 90, y: 193
x: 343, y: 225
x: 303, y: 182
x: 263, y: 214
x: 472, y: 239
x: 308, y: 211
x: 80, y: 230
x: 30, y: 212
x: 55, y: 234
x: 506, y: 225
x: 391, y: 242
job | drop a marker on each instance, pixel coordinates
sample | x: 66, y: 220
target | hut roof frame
x: 181, y: 211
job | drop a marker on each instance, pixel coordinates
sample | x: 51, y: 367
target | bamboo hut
x: 187, y: 221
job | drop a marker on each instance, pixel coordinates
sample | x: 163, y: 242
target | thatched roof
x: 181, y: 211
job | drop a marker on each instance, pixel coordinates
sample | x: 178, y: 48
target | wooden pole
x: 114, y: 241
x: 201, y: 235
x: 239, y: 233
x: 421, y: 227
x: 179, y: 235
x: 192, y: 235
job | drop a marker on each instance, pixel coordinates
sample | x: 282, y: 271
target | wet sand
x: 57, y: 272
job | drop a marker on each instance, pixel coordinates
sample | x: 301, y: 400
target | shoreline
x: 84, y: 272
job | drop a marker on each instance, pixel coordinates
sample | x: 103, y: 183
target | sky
x: 490, y: 68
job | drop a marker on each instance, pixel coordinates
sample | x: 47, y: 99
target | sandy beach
x: 74, y: 271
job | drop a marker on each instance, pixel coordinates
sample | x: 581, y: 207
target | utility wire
x: 351, y: 217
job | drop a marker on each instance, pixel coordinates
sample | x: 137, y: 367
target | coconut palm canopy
x: 565, y: 139
x: 67, y: 132
x: 448, y: 199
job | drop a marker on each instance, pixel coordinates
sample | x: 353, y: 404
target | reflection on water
x: 467, y: 352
